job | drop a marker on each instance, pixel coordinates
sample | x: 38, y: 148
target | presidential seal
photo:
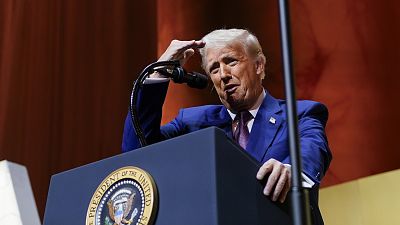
x: 126, y: 196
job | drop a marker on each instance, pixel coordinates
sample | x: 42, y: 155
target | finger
x: 182, y: 46
x: 285, y: 191
x: 199, y: 44
x: 176, y: 49
x: 264, y: 169
x: 287, y: 186
x: 186, y: 55
x: 186, y: 52
x: 280, y: 185
x: 273, y: 178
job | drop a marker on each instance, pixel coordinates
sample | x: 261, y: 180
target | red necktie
x: 241, y: 134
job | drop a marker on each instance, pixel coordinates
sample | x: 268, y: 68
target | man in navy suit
x: 235, y: 63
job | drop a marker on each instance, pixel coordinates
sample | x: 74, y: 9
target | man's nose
x: 225, y: 72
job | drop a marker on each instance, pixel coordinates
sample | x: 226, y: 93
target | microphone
x: 179, y: 75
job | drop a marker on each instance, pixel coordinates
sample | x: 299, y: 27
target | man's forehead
x: 218, y: 52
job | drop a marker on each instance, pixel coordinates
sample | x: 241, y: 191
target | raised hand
x: 181, y: 50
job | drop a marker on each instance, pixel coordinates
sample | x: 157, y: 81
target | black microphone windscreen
x: 197, y: 80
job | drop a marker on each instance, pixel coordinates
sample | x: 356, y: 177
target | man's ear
x: 260, y: 66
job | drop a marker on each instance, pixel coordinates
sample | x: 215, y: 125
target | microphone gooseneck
x: 177, y: 74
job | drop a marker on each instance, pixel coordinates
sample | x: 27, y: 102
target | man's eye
x: 233, y: 62
x: 214, y: 71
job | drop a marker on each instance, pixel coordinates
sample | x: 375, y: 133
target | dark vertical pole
x: 299, y: 196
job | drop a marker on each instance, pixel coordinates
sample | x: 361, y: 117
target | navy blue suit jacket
x: 267, y: 139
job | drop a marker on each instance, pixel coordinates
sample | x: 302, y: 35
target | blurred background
x: 67, y: 68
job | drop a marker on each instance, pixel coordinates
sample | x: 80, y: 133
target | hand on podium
x: 278, y: 177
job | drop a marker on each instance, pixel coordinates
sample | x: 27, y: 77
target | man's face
x: 236, y: 76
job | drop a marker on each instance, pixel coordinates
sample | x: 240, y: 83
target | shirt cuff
x: 306, y: 182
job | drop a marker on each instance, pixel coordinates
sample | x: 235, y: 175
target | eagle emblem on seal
x: 127, y: 196
x: 120, y: 207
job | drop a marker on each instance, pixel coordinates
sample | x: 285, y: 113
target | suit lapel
x: 221, y: 119
x: 265, y: 127
x: 226, y: 124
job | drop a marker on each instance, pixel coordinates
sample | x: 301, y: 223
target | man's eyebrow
x: 213, y: 64
x: 229, y: 57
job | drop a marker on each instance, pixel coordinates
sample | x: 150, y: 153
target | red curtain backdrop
x: 66, y: 69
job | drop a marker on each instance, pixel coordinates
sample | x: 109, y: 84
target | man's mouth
x: 230, y: 88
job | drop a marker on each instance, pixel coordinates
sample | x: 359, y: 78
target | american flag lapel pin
x: 272, y: 120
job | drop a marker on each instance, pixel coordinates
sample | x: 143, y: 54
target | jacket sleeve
x: 315, y: 152
x: 149, y: 106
